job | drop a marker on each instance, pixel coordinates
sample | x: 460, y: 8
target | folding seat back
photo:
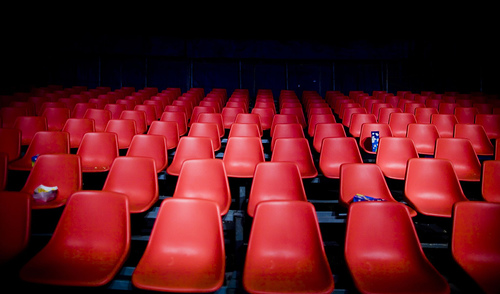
x: 466, y: 115
x: 185, y: 252
x: 229, y: 115
x: 249, y: 118
x: 423, y: 114
x: 442, y: 188
x: 294, y: 130
x: 386, y: 228
x: 190, y: 148
x: 56, y: 117
x: 135, y: 177
x: 393, y: 154
x: 282, y: 118
x: 149, y: 112
x: 365, y: 137
x: 266, y: 116
x: 63, y: 171
x: 326, y: 130
x: 399, y: 123
x: 82, y: 251
x: 140, y: 119
x: 125, y: 130
x: 211, y: 182
x: 168, y: 129
x: 445, y: 123
x: 336, y: 151
x: 241, y: 156
x: 200, y: 109
x: 44, y: 142
x: 349, y: 112
x: 98, y: 151
x: 286, y: 232
x: 209, y: 130
x: 318, y: 118
x: 29, y: 126
x: 462, y: 155
x: 158, y: 106
x: 424, y: 136
x: 153, y: 146
x: 15, y: 224
x: 411, y: 106
x: 176, y: 116
x: 295, y: 150
x: 346, y: 105
x: 490, y: 123
x: 215, y: 118
x: 478, y: 253
x: 188, y: 105
x: 477, y: 135
x: 490, y: 181
x: 216, y: 104
x: 264, y: 187
x: 9, y: 115
x: 384, y: 114
x: 76, y: 128
x: 11, y: 143
x: 298, y: 111
x: 358, y: 119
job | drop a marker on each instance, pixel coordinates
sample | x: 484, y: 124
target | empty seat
x: 200, y: 109
x: 282, y: 118
x: 466, y: 115
x: 490, y: 123
x: 11, y: 143
x: 149, y: 112
x: 241, y: 156
x: 115, y: 109
x: 76, y: 128
x: 445, y: 124
x: 447, y: 107
x: 285, y: 251
x: 100, y: 117
x: 97, y: 151
x: 399, y: 123
x: 190, y: 148
x: 29, y: 126
x: 56, y: 117
x: 264, y: 187
x: 335, y: 152
x: 295, y: 150
x: 204, y: 179
x: 383, y: 251
x: 229, y: 115
x: 215, y: 118
x: 125, y: 130
x: 477, y: 136
x: 63, y: 171
x: 135, y: 177
x: 316, y: 119
x: 185, y: 252
x: 349, y: 112
x: 441, y: 189
x: 462, y: 155
x: 15, y: 224
x: 82, y: 251
x: 168, y: 129
x: 424, y: 136
x: 423, y: 114
x: 209, y: 130
x: 327, y: 130
x: 179, y: 117
x: 140, y: 119
x: 249, y: 118
x: 365, y: 137
x: 475, y: 242
x: 44, y: 142
x: 393, y: 154
x: 384, y: 114
x: 294, y: 130
x: 298, y: 111
x: 80, y: 109
x: 266, y: 116
x: 490, y: 181
x: 357, y: 120
x: 153, y: 146
x: 9, y: 115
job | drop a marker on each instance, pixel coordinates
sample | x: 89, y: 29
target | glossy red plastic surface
x: 204, y: 179
x: 229, y: 115
x: 335, y: 152
x: 135, y: 177
x: 168, y: 129
x: 282, y: 118
x: 82, y: 251
x: 357, y: 120
x: 295, y: 150
x: 100, y: 117
x: 249, y: 118
x: 140, y: 119
x: 185, y: 252
x: 491, y: 124
x: 125, y: 130
x: 383, y: 252
x: 29, y: 126
x: 15, y: 224
x: 477, y: 135
x: 97, y: 151
x: 490, y: 180
x: 461, y: 153
x: 215, y: 118
x: 176, y: 116
x: 393, y: 154
x: 285, y: 251
x: 208, y: 130
x: 11, y: 143
x: 56, y: 117
x: 424, y: 136
x: 327, y: 130
x: 399, y: 123
x: 265, y: 188
x: 441, y: 190
x: 241, y: 156
x: 288, y: 130
x: 315, y: 119
x: 76, y: 128
x: 190, y: 148
x: 153, y: 146
x: 266, y: 115
x: 365, y: 137
x: 445, y: 123
x: 475, y: 243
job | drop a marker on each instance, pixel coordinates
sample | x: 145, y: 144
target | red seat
x: 82, y: 251
x: 215, y: 118
x: 9, y: 115
x: 29, y: 126
x: 327, y: 130
x: 491, y: 124
x: 383, y: 251
x: 44, y: 142
x: 365, y: 137
x: 490, y: 180
x: 316, y: 119
x: 399, y: 123
x: 266, y: 115
x: 349, y: 112
x: 477, y: 135
x: 135, y: 177
x: 229, y: 115
x: 462, y: 155
x: 335, y: 152
x: 176, y: 116
x: 190, y: 148
x: 97, y: 151
x: 185, y: 252
x: 153, y: 146
x: 140, y: 119
x: 197, y: 110
x: 294, y: 130
x: 466, y: 115
x: 447, y: 107
x: 441, y: 190
x: 124, y: 129
x: 357, y: 120
x: 168, y: 129
x: 15, y: 224
x: 100, y: 117
x: 204, y: 179
x: 80, y: 109
x: 393, y: 154
x: 76, y: 128
x: 475, y: 243
x: 56, y: 117
x: 149, y: 112
x: 286, y: 235
x: 116, y: 109
x: 445, y: 123
x: 63, y: 171
x: 298, y: 111
x: 264, y: 187
x: 423, y: 114
x: 282, y: 118
x: 249, y: 118
x: 241, y: 156
x: 209, y: 130
x: 424, y: 136
x: 11, y: 143
x: 295, y: 150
